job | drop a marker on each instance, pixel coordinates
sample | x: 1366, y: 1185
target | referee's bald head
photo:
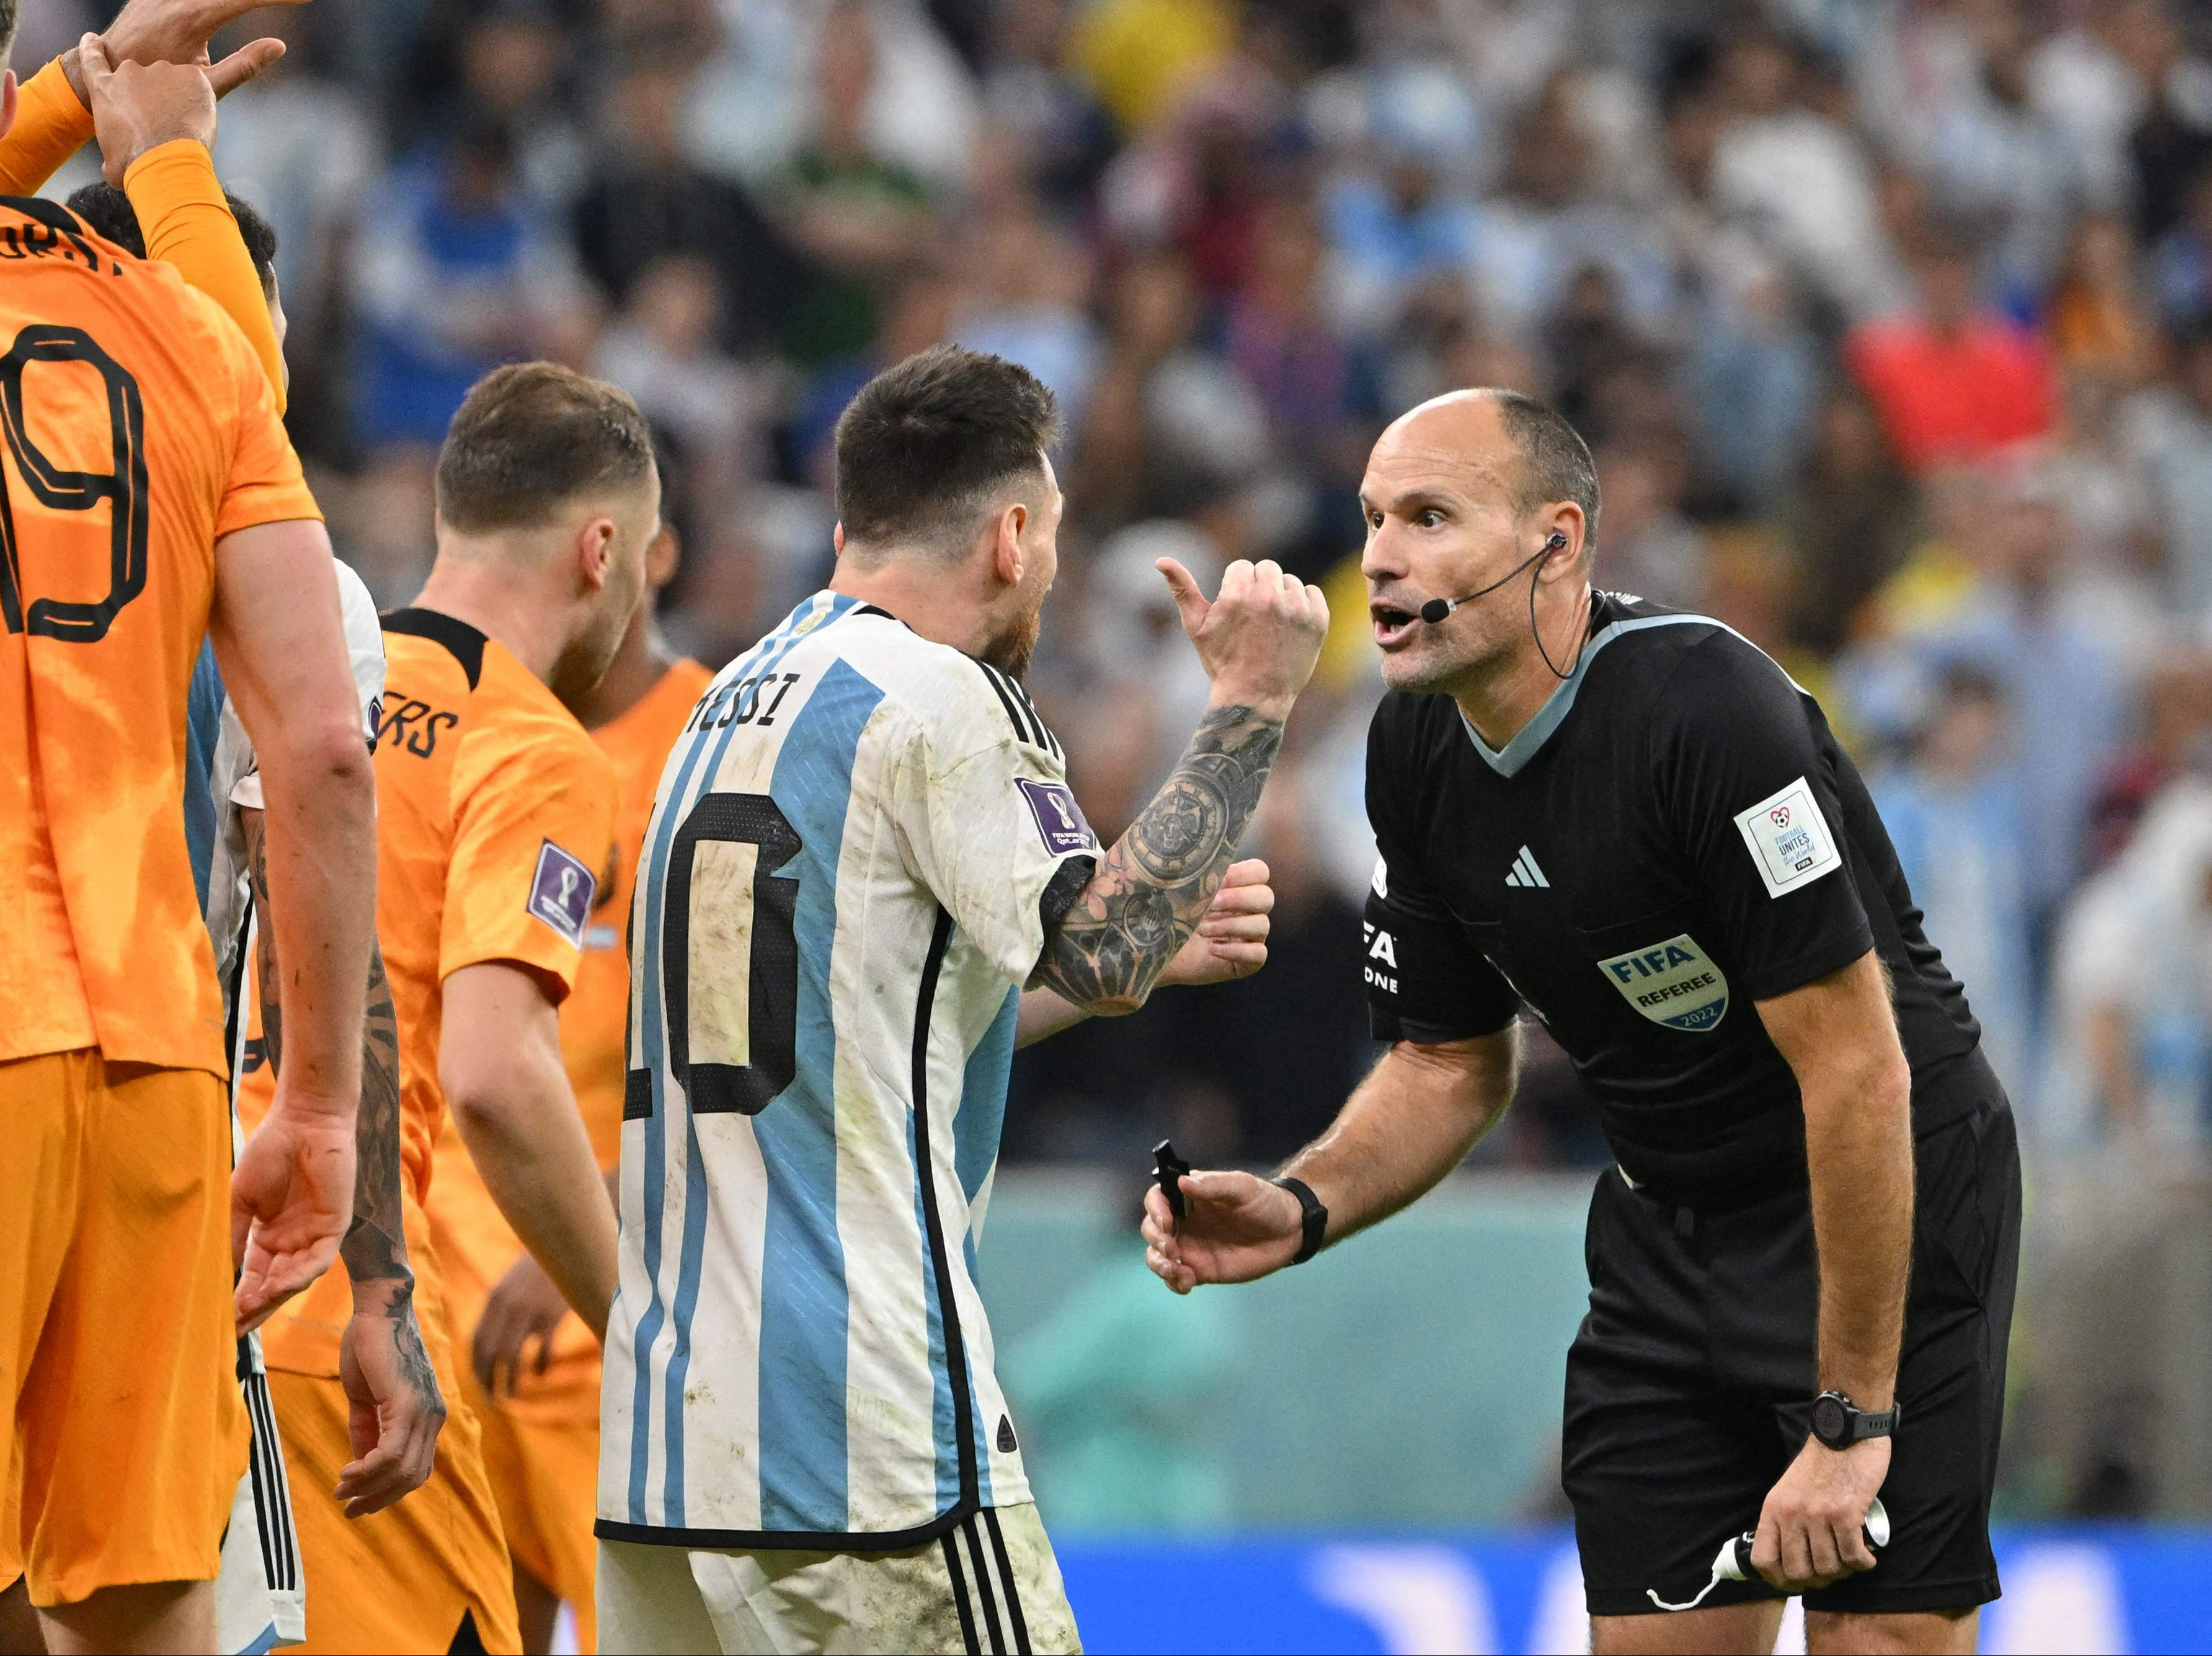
x: 1551, y: 461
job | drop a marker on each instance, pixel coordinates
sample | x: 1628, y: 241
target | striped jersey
x: 846, y: 880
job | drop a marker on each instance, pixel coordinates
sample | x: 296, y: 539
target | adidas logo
x: 1525, y: 871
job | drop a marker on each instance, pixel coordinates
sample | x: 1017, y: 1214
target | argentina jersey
x: 841, y: 895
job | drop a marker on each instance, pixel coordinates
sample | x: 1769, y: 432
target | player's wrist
x: 1272, y: 706
x: 386, y: 1296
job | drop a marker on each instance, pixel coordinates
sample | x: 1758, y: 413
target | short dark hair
x: 1555, y: 462
x: 532, y: 436
x: 109, y: 212
x: 7, y: 28
x: 925, y: 448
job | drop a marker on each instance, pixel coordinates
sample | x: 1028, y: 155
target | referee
x: 1802, y: 1269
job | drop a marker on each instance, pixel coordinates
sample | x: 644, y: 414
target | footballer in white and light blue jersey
x: 843, y: 889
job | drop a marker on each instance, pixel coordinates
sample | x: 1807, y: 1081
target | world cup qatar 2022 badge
x: 562, y: 891
x: 1058, y: 818
x: 1674, y: 983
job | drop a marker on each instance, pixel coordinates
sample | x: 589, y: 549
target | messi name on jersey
x: 1674, y: 983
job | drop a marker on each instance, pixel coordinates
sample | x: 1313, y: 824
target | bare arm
x: 382, y: 1360
x: 281, y: 645
x: 1410, y: 1123
x: 500, y: 1063
x: 1840, y: 1038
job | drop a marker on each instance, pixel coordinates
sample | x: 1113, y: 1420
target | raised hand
x: 136, y: 106
x: 1260, y: 636
x: 1231, y: 940
x: 1235, y: 1228
x: 178, y: 31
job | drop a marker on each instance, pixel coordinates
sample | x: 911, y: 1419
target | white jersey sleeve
x: 988, y: 819
x: 364, y: 635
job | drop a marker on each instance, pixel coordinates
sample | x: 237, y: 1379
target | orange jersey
x: 494, y: 814
x: 475, y: 1243
x: 139, y: 430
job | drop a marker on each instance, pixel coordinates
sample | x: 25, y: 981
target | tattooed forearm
x: 1154, y: 887
x: 375, y: 1247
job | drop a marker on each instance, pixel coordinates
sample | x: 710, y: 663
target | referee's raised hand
x: 1260, y: 636
x: 1236, y: 1227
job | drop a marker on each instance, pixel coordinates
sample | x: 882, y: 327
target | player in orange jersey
x: 150, y: 500
x: 533, y: 1379
x: 496, y: 818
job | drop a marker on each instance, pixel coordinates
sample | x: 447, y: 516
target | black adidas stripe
x: 960, y: 1581
x: 983, y: 1584
x: 1014, y: 717
x: 1006, y: 1580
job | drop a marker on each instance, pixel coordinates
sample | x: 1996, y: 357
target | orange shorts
x: 402, y: 1579
x: 117, y: 1346
x: 546, y: 1476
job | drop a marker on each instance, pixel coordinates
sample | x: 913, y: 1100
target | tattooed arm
x: 386, y: 1371
x: 1259, y: 640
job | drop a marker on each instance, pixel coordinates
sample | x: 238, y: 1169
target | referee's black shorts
x: 1689, y: 1387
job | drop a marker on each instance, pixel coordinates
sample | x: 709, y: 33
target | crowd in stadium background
x: 1890, y: 322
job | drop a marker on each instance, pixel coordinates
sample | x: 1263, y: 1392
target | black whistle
x: 1168, y: 1169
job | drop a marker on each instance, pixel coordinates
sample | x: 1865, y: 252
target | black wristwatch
x: 1315, y: 1223
x: 1838, y: 1422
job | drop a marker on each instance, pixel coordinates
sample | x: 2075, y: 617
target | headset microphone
x: 1437, y: 609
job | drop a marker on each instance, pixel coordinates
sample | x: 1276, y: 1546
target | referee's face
x: 1441, y: 523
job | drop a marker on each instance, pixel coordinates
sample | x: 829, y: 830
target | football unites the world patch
x: 1789, y: 838
x: 562, y: 891
x: 1058, y: 818
x: 1674, y: 983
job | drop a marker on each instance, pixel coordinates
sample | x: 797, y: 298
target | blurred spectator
x: 645, y: 200
x: 2176, y: 741
x: 2100, y: 319
x: 1027, y: 301
x: 1320, y: 389
x: 2169, y: 433
x: 1849, y: 516
x: 665, y: 349
x: 2181, y: 261
x: 457, y: 276
x: 1064, y: 135
x: 2132, y: 987
x: 1753, y: 380
x: 1645, y: 545
x: 762, y: 93
x: 917, y: 315
x: 1785, y: 164
x: 1955, y: 815
x: 1400, y: 219
x: 1952, y: 379
x: 856, y: 208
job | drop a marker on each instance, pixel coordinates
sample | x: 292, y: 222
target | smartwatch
x: 1316, y: 1220
x: 1838, y: 1422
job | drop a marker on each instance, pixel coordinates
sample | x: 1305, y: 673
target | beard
x: 1010, y: 653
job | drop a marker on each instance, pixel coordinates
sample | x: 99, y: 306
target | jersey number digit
x: 772, y: 1005
x: 123, y: 486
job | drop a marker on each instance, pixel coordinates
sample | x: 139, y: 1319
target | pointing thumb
x: 1190, y: 603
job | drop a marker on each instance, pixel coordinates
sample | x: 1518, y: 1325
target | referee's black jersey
x: 1675, y: 835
